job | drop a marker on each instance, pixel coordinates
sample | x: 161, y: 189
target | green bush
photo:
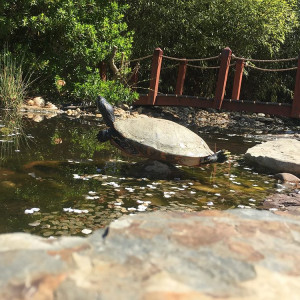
x: 63, y: 39
x: 113, y: 91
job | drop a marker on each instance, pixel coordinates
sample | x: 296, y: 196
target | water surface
x: 56, y: 179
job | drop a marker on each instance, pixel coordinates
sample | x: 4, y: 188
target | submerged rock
x: 282, y: 155
x: 287, y: 178
x: 153, y: 169
x: 290, y: 202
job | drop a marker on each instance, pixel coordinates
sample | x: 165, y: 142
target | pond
x: 56, y: 179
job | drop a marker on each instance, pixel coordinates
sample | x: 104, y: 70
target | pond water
x: 56, y: 179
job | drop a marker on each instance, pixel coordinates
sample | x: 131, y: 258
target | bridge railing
x: 218, y: 102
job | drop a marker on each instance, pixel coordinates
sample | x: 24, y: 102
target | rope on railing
x: 270, y: 70
x: 174, y: 58
x: 191, y: 59
x: 218, y: 56
x: 265, y: 60
x: 205, y: 67
x: 203, y: 59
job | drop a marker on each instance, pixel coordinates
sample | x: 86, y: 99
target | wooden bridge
x: 218, y: 102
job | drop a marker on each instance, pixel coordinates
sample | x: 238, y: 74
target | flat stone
x: 234, y: 254
x: 281, y: 155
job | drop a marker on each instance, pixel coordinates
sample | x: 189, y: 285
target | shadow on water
x: 61, y: 180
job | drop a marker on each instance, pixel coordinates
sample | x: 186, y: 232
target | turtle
x: 157, y: 139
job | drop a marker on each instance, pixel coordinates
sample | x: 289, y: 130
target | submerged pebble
x: 75, y: 210
x: 142, y: 207
x: 92, y: 197
x: 31, y: 210
x: 92, y: 193
x: 34, y: 224
x: 131, y: 208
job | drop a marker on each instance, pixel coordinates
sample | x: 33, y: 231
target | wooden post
x: 295, y: 113
x: 238, y: 76
x: 181, y: 77
x: 155, y: 73
x: 102, y: 70
x: 222, y: 77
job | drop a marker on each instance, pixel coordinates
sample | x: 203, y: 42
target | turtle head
x: 106, y: 110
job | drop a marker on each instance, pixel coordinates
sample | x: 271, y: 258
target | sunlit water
x: 61, y: 181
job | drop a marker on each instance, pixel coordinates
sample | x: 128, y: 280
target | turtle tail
x: 218, y: 157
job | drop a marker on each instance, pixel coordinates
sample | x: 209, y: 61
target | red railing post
x: 155, y: 73
x: 181, y: 77
x: 102, y: 70
x: 238, y: 76
x: 222, y: 77
x: 295, y: 113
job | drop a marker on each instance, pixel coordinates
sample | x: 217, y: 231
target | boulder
x: 39, y: 101
x: 282, y: 155
x: 235, y: 254
x: 30, y: 102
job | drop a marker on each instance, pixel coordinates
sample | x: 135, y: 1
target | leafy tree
x: 63, y: 39
x: 202, y: 28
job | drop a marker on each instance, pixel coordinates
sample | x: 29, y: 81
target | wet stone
x: 48, y: 233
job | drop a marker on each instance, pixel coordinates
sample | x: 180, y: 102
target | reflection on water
x: 61, y: 181
x: 12, y: 134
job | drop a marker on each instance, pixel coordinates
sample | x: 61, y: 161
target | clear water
x: 74, y: 183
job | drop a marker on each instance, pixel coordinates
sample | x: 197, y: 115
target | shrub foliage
x: 63, y: 39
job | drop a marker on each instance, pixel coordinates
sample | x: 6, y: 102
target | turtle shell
x: 163, y: 140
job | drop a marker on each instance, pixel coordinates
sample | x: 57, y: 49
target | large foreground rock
x: 282, y: 155
x: 236, y: 254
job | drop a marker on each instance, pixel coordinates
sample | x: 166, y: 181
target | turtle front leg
x: 104, y: 135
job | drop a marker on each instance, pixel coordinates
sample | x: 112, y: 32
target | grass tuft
x: 13, y: 85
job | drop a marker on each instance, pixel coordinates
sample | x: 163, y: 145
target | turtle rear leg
x: 218, y: 157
